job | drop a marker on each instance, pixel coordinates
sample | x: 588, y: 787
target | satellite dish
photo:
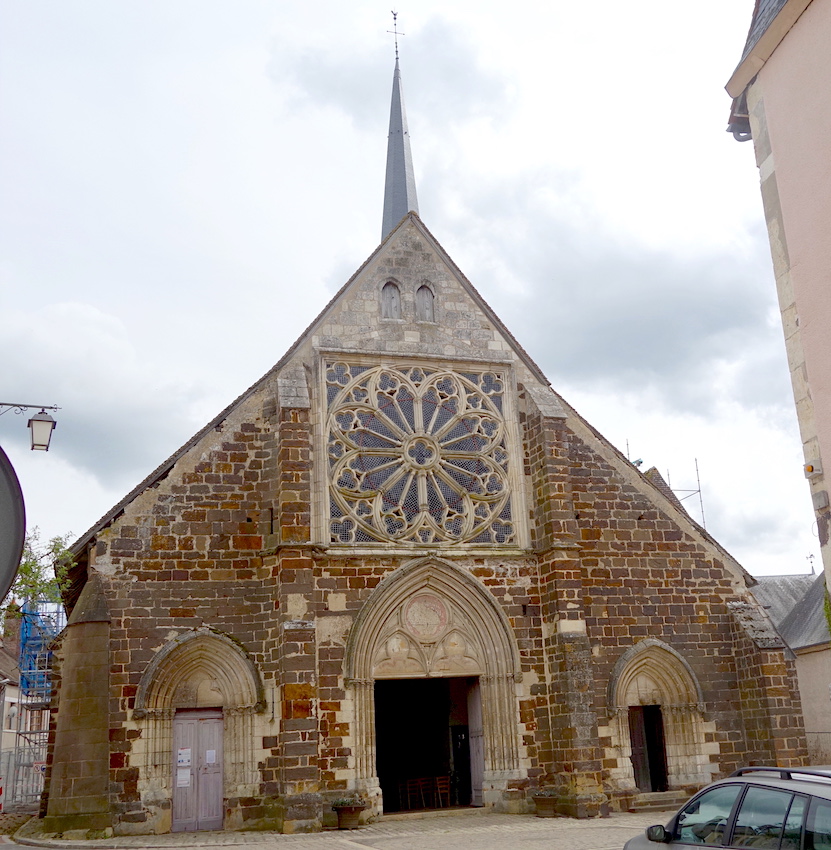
x: 12, y: 524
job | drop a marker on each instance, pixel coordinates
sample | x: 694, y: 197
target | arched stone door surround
x: 199, y: 669
x: 430, y: 618
x: 652, y: 673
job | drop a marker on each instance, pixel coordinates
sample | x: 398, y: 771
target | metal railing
x: 21, y: 780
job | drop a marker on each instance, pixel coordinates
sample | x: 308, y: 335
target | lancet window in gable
x: 390, y: 301
x: 425, y: 311
x: 417, y: 454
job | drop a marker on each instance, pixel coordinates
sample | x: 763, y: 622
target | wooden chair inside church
x: 442, y: 792
x: 417, y: 793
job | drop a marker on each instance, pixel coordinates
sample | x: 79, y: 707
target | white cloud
x: 185, y: 185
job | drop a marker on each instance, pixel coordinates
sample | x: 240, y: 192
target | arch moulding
x: 429, y: 618
x: 653, y: 673
x: 486, y: 623
x: 199, y: 669
x: 665, y: 666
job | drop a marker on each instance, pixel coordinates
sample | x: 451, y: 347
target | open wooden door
x: 649, y: 758
x: 197, y: 771
x: 637, y: 742
x: 477, y: 743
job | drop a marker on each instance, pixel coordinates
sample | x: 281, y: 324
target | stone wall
x: 83, y: 750
x: 229, y: 547
x: 770, y: 701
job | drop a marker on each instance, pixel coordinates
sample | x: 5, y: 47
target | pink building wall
x: 789, y: 106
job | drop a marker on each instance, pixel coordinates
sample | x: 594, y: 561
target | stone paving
x: 464, y: 830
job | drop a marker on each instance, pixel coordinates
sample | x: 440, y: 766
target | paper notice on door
x: 210, y: 756
x: 183, y: 757
x: 183, y: 777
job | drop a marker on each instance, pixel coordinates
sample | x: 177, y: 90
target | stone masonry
x: 260, y: 574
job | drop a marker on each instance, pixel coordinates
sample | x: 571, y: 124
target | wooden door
x: 637, y: 741
x: 197, y: 771
x: 477, y: 743
x: 649, y: 753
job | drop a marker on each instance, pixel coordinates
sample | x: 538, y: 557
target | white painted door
x: 477, y: 743
x: 197, y: 771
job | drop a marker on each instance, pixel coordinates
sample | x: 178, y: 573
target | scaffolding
x: 40, y: 624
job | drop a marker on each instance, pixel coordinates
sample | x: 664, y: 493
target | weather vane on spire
x: 394, y: 31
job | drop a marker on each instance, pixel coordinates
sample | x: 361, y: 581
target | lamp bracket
x: 6, y: 406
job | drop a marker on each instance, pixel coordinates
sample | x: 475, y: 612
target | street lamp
x: 41, y: 425
x: 12, y: 507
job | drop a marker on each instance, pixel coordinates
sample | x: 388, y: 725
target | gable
x: 464, y: 328
x: 463, y: 325
x: 409, y: 311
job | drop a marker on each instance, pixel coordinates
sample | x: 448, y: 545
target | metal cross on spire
x: 394, y: 31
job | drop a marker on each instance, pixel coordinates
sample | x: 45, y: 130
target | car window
x: 704, y: 819
x: 818, y: 828
x: 761, y: 818
x: 792, y: 834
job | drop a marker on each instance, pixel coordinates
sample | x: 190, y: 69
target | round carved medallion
x: 425, y: 616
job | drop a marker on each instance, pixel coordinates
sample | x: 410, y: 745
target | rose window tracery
x: 417, y: 454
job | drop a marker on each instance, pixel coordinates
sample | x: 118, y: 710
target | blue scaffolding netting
x: 41, y: 622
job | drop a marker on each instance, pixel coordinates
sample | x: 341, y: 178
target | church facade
x: 400, y: 566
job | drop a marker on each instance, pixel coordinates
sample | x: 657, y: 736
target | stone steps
x: 659, y: 801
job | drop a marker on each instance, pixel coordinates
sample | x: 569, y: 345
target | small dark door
x: 460, y: 752
x: 649, y: 756
x: 197, y: 771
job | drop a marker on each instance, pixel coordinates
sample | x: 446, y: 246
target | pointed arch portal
x: 658, y: 727
x: 195, y: 707
x: 430, y: 626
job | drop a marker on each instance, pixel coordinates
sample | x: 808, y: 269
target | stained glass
x: 417, y: 454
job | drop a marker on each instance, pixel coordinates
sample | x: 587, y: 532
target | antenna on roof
x: 394, y: 30
x: 696, y: 492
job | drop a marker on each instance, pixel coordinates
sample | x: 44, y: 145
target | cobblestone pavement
x: 467, y: 830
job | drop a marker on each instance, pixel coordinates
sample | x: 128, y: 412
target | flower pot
x: 546, y: 806
x: 349, y: 816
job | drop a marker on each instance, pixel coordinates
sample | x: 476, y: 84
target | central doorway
x: 428, y: 735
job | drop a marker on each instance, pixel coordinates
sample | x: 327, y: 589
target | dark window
x: 390, y: 301
x: 703, y: 821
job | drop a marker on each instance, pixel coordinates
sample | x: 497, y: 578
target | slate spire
x: 400, y: 190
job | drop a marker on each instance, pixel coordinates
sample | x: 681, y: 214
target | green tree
x: 43, y: 572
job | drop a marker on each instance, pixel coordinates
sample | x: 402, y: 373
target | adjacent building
x: 782, y: 101
x: 796, y: 604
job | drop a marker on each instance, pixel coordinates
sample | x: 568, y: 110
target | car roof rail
x: 804, y: 774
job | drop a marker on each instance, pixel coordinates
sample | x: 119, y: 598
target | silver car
x: 769, y: 807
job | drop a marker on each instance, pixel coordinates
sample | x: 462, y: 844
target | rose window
x: 418, y: 455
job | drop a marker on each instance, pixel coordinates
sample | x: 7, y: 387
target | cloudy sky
x: 184, y: 184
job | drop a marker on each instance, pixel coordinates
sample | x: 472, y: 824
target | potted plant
x: 545, y: 799
x: 348, y: 810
